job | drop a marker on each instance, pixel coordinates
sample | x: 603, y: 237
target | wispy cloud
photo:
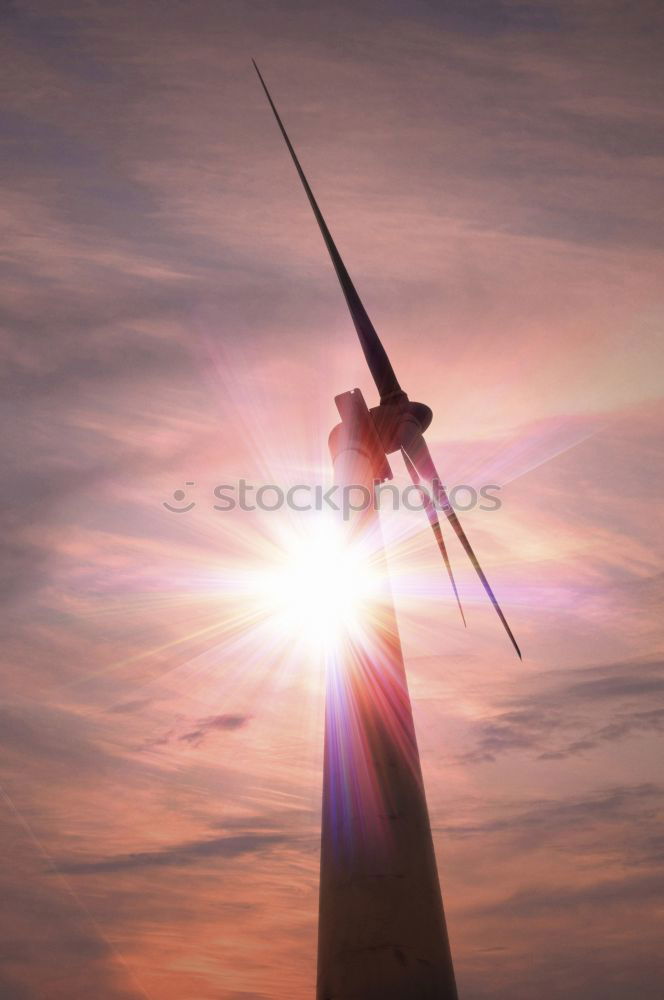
x: 178, y: 855
x: 575, y: 713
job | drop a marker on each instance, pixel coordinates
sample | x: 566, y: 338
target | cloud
x: 133, y: 705
x: 214, y: 723
x: 526, y: 823
x: 634, y: 891
x: 574, y: 713
x: 627, y: 685
x: 623, y: 725
x: 197, y: 731
x: 178, y: 855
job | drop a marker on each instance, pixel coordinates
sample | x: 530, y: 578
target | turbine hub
x: 392, y: 414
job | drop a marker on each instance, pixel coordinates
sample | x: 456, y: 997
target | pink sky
x: 492, y: 175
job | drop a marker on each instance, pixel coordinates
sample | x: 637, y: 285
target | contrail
x: 41, y: 850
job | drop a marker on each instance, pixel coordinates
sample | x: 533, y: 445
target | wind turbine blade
x: 420, y: 456
x: 437, y: 530
x: 374, y: 352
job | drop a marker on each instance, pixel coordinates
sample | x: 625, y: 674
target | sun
x: 320, y: 586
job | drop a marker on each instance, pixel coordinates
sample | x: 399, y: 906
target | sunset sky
x: 492, y: 173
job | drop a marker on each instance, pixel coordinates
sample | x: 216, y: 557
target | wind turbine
x: 382, y: 933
